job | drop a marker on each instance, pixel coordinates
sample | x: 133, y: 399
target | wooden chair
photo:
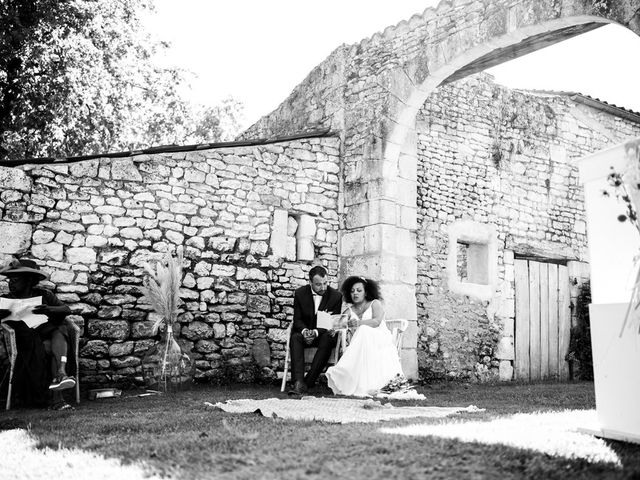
x: 309, y: 353
x: 12, y: 350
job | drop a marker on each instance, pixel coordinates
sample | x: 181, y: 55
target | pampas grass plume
x: 162, y: 288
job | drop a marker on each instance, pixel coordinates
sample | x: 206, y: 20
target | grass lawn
x: 180, y: 437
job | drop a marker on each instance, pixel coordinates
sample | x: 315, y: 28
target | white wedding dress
x: 368, y: 363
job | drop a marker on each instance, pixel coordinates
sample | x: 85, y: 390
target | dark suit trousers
x: 323, y: 342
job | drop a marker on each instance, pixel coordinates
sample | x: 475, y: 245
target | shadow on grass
x: 179, y: 436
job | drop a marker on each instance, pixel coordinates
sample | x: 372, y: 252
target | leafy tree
x: 79, y: 77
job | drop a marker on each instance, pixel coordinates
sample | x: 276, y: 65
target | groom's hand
x: 308, y: 335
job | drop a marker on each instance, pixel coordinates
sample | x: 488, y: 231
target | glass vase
x: 166, y: 368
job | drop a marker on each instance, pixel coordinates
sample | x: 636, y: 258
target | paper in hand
x: 324, y: 320
x: 21, y: 310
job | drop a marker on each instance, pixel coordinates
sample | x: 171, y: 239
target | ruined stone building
x: 394, y: 159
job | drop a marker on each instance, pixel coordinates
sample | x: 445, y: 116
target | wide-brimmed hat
x: 23, y: 266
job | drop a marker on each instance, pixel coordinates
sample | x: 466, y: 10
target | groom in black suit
x: 307, y: 302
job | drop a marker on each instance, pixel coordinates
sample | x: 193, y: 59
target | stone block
x: 250, y: 274
x: 119, y: 299
x: 306, y: 233
x: 110, y: 312
x: 204, y: 283
x: 206, y: 346
x: 131, y: 232
x: 223, y: 270
x: 183, y: 208
x: 62, y: 276
x: 64, y: 238
x: 261, y: 352
x: 125, y: 362
x: 81, y: 255
x: 15, y: 238
x: 174, y: 237
x: 219, y: 330
x: 258, y: 303
x: 87, y: 168
x: 222, y: 244
x: 505, y: 350
x: 408, y: 217
x: 142, y: 329
x: 124, y: 169
x: 353, y: 243
x: 95, y: 241
x: 114, y: 257
x: 48, y: 251
x: 39, y: 236
x: 120, y: 349
x: 505, y: 371
x: 400, y: 301
x: 197, y: 331
x: 278, y: 240
x: 95, y: 349
x: 409, y: 362
x: 193, y: 175
x: 108, y: 329
x: 14, y: 179
x: 278, y: 335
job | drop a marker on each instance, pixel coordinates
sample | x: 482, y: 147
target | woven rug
x: 335, y: 410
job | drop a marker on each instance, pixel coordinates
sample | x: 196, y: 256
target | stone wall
x: 251, y: 219
x: 495, y: 157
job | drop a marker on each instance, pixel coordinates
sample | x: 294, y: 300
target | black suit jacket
x: 304, y: 310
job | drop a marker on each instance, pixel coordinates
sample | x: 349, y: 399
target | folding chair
x: 309, y: 353
x: 12, y: 350
x: 397, y: 327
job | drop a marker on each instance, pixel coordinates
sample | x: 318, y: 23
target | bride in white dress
x: 371, y: 359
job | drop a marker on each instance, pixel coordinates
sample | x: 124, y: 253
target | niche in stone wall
x: 472, y: 261
x: 292, y: 236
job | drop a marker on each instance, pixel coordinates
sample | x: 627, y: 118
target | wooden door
x: 543, y: 320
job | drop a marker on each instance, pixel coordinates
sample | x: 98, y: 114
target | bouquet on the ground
x: 399, y: 383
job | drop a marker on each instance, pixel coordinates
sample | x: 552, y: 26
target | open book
x: 21, y: 309
x: 327, y: 320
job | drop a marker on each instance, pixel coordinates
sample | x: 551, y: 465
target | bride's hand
x: 353, y: 323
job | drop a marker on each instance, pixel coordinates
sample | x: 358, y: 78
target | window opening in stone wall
x: 472, y: 261
x: 477, y: 261
x: 461, y: 263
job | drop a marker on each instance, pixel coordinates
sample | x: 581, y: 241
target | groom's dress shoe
x: 299, y: 388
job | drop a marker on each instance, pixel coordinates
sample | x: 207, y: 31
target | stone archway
x: 370, y: 93
x: 379, y: 238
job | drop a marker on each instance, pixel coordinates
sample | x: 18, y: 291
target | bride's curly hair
x: 371, y: 288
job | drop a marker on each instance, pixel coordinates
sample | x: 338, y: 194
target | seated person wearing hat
x: 45, y: 344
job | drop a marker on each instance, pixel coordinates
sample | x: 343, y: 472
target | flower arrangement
x: 165, y: 366
x: 399, y: 383
x: 626, y: 188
